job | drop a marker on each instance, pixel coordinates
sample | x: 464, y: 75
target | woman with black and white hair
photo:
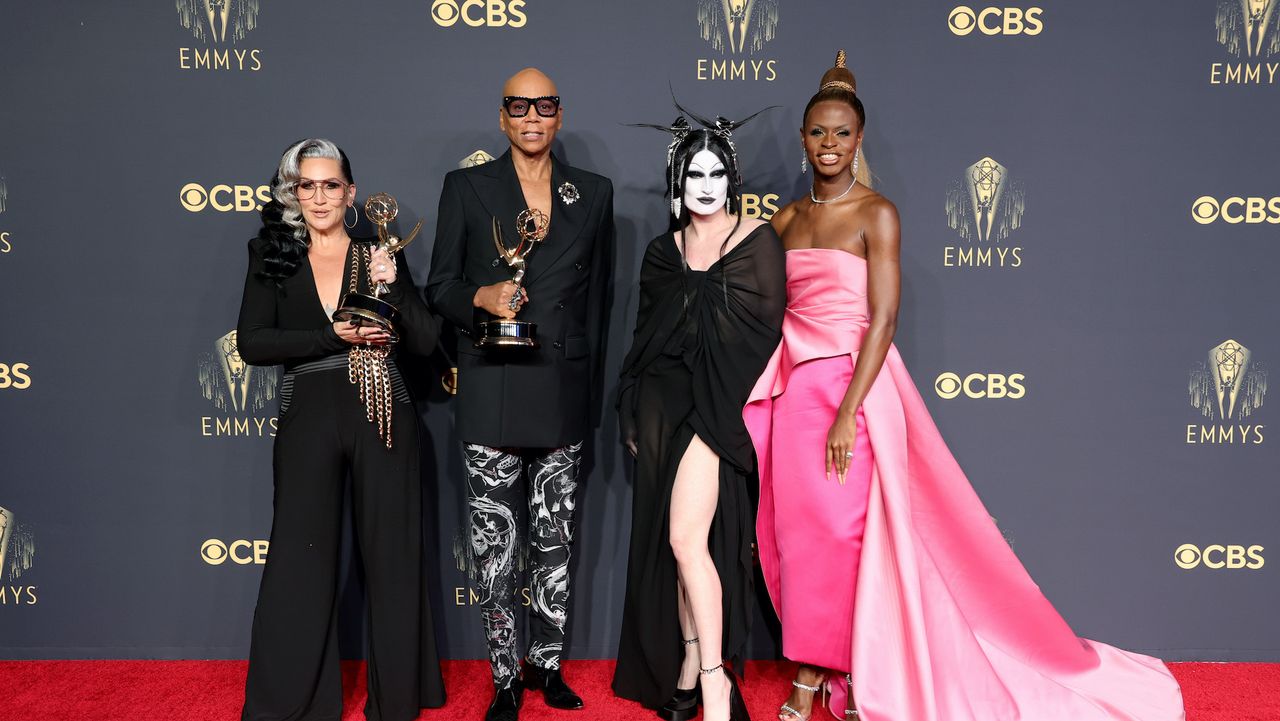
x: 300, y: 265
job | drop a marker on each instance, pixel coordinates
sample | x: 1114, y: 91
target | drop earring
x: 804, y: 160
x: 675, y: 207
x: 854, y: 169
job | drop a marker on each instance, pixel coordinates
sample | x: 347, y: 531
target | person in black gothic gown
x: 300, y: 264
x: 712, y: 294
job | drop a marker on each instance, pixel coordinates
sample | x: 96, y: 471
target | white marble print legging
x: 495, y: 492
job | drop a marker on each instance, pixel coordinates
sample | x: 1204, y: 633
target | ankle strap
x: 810, y: 689
x: 713, y: 669
x: 691, y: 641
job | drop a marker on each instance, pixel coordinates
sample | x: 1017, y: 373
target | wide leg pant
x: 495, y: 491
x: 294, y: 669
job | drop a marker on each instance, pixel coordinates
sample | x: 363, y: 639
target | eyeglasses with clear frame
x: 332, y: 188
x: 518, y: 106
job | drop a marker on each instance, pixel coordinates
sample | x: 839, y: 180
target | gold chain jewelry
x: 367, y: 365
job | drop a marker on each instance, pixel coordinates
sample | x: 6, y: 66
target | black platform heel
x: 737, y: 705
x: 683, y: 704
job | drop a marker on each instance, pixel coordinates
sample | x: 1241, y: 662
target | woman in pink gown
x: 894, y: 587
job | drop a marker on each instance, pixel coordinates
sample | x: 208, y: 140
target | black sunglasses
x: 517, y: 107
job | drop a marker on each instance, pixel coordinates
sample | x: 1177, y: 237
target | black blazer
x: 544, y: 398
x: 287, y: 325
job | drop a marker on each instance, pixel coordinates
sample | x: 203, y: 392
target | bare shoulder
x: 879, y: 211
x: 783, y: 218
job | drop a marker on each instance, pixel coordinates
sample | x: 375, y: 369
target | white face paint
x: 706, y: 184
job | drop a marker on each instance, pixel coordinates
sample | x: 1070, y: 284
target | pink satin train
x: 947, y: 625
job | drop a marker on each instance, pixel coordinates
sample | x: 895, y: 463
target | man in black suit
x: 525, y: 411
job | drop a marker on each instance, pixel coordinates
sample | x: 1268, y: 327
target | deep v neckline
x: 551, y: 214
x: 342, y: 282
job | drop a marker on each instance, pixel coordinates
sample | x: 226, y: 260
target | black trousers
x: 496, y: 490
x: 294, y: 669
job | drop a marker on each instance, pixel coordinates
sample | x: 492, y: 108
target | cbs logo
x: 224, y: 198
x: 1206, y: 209
x: 216, y: 553
x: 759, y: 206
x: 479, y: 13
x: 14, y: 376
x: 981, y: 385
x: 1216, y: 556
x: 996, y: 21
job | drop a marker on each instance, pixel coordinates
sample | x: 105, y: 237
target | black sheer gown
x: 702, y: 339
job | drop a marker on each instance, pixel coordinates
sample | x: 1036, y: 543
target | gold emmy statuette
x: 357, y: 307
x: 531, y: 226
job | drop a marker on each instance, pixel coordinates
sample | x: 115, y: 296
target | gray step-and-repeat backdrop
x: 1089, y: 211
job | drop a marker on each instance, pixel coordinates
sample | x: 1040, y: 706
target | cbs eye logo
x: 215, y: 552
x: 1215, y: 556
x: 996, y: 21
x: 224, y: 198
x: 1207, y: 209
x: 981, y: 385
x: 479, y: 13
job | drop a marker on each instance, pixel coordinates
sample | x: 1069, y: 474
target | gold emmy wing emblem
x: 479, y: 157
x: 531, y: 227
x: 1249, y: 28
x: 231, y: 384
x: 216, y: 21
x: 17, y: 547
x: 7, y: 527
x: 738, y: 26
x: 985, y: 205
x: 1230, y: 384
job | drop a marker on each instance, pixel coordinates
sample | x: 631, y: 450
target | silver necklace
x: 814, y: 198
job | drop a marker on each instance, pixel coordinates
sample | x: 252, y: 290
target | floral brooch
x: 569, y: 194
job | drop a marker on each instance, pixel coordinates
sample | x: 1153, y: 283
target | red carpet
x: 212, y: 691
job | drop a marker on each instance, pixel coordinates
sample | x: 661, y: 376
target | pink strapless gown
x: 947, y: 626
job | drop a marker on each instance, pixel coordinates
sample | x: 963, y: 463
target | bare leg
x: 693, y: 505
x: 689, y: 669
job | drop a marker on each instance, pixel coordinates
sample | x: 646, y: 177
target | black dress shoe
x: 554, y: 690
x: 506, y: 704
x: 682, y: 706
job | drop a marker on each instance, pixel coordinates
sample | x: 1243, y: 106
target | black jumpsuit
x: 323, y: 436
